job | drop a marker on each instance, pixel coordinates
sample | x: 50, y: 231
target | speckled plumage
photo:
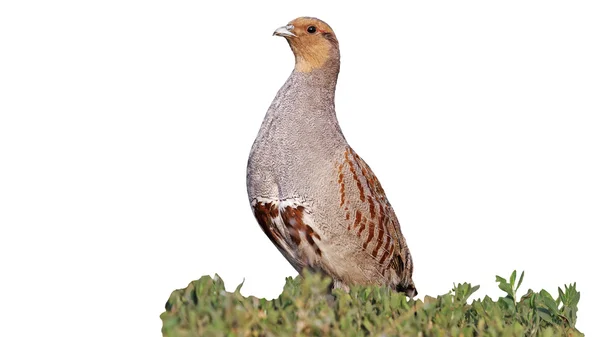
x: 314, y: 197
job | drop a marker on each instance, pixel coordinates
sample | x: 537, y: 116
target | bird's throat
x: 311, y: 57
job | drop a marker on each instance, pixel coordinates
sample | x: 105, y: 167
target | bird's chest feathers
x: 294, y: 148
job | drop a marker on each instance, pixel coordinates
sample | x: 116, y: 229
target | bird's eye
x: 311, y: 29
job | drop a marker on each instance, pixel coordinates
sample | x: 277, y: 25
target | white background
x: 125, y: 127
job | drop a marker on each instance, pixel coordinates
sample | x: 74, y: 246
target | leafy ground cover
x: 307, y: 307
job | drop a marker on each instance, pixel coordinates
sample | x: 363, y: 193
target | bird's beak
x: 284, y: 31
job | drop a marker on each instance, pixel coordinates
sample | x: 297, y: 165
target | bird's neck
x: 305, y: 105
x: 312, y: 92
x: 324, y: 76
x: 318, y: 86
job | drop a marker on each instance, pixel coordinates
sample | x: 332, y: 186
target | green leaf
x: 549, y: 302
x: 561, y: 296
x: 513, y: 277
x: 471, y: 291
x: 509, y: 304
x: 543, y: 314
x: 520, y: 280
x: 506, y: 288
x: 239, y: 287
x: 575, y: 299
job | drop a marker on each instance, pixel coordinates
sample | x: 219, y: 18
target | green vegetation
x: 306, y: 308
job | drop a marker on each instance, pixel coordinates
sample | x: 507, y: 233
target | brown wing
x: 371, y: 217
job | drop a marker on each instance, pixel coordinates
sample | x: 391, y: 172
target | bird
x: 317, y: 201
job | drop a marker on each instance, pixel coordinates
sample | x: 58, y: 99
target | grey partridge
x: 313, y: 196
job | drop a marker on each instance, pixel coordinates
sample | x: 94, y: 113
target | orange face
x: 311, y: 41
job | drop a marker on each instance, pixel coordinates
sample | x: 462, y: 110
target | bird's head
x: 313, y: 42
